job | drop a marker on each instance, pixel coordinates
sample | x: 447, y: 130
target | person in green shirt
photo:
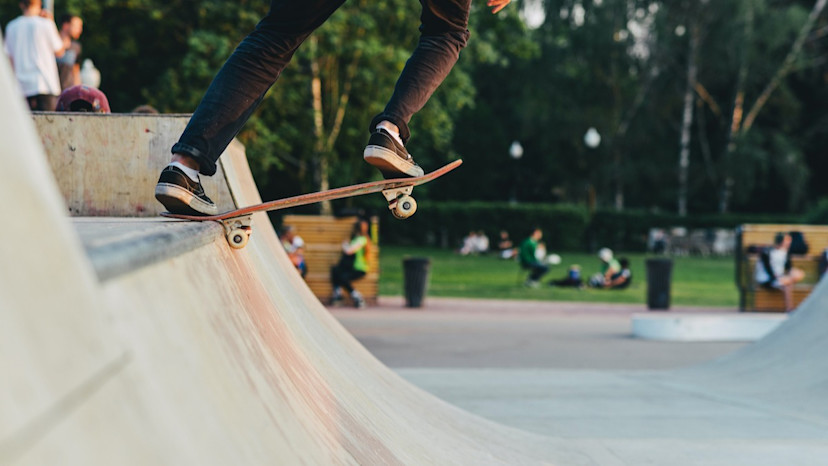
x: 528, y: 259
x: 610, y: 269
x: 352, y: 265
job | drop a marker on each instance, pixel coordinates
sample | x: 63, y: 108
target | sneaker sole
x: 178, y: 200
x: 390, y: 164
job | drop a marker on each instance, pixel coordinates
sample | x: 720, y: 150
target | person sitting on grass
x: 609, y: 268
x: 528, y: 259
x: 505, y: 246
x: 774, y: 270
x: 572, y: 279
x: 622, y: 279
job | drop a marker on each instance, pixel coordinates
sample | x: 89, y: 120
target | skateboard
x: 397, y: 192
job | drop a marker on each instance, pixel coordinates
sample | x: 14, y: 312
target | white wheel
x: 238, y: 238
x: 405, y: 207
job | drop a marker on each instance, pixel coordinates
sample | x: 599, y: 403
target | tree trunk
x: 320, y: 158
x: 687, y: 120
x: 726, y: 189
x: 325, y: 138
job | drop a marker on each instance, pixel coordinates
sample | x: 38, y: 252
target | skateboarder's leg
x: 239, y: 87
x: 443, y: 34
x: 236, y: 91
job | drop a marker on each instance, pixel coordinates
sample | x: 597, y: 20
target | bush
x: 566, y: 227
x: 628, y: 230
x: 445, y: 224
x: 818, y: 215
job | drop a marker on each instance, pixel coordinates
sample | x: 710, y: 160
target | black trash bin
x: 659, y: 275
x: 415, y: 278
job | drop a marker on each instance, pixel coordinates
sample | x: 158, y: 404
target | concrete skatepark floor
x: 465, y: 333
x: 573, y: 371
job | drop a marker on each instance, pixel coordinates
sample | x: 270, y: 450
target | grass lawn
x: 696, y: 281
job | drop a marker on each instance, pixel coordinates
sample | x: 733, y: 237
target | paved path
x: 573, y: 371
x: 468, y: 333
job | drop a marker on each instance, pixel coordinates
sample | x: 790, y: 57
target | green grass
x: 696, y: 281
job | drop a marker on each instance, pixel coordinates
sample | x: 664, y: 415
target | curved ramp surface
x: 210, y: 356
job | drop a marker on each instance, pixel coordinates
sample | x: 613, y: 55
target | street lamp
x: 592, y: 138
x: 516, y: 152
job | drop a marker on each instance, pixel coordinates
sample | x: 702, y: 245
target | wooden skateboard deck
x: 397, y: 192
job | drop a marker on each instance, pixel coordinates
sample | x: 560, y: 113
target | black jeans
x: 257, y: 62
x: 536, y: 270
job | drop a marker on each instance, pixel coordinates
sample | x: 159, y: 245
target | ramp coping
x: 117, y: 246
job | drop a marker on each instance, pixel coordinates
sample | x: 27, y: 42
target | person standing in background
x: 71, y: 28
x: 32, y: 43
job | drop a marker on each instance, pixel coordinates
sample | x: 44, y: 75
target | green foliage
x: 818, y: 215
x: 582, y: 67
x: 566, y: 227
x: 628, y: 230
x: 447, y: 223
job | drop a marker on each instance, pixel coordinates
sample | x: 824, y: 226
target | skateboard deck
x: 397, y: 192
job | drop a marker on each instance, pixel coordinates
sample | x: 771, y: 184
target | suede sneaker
x: 181, y: 195
x: 390, y: 157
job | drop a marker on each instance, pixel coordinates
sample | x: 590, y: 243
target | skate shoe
x: 181, y: 195
x: 390, y: 157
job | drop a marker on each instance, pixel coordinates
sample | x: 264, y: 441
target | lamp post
x: 592, y: 138
x: 516, y: 152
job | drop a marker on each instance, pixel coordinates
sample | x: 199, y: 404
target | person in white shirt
x: 32, y: 44
x: 774, y: 270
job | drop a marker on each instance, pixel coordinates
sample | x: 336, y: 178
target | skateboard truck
x: 237, y: 230
x: 400, y: 202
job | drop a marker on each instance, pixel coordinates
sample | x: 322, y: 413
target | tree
x: 739, y: 128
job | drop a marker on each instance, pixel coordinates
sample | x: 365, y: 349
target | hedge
x: 445, y: 224
x: 565, y: 227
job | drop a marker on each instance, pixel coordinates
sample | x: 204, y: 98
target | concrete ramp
x: 205, y: 356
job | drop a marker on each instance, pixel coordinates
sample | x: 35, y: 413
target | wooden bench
x: 753, y: 297
x: 323, y: 236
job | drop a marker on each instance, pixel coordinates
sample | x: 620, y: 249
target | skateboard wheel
x: 405, y: 207
x: 238, y: 238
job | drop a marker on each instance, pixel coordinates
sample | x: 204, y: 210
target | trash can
x: 659, y: 275
x: 415, y: 278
